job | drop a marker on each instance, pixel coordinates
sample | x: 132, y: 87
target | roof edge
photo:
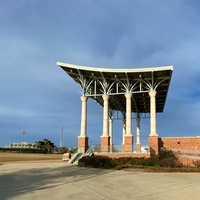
x: 116, y: 70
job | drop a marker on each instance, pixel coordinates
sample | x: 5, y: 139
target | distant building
x: 21, y: 145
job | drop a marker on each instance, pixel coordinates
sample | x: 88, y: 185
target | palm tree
x: 38, y: 144
x: 46, y: 145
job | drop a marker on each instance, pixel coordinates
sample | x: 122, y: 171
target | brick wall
x: 182, y: 143
x: 188, y: 161
x: 186, y: 148
x: 120, y: 155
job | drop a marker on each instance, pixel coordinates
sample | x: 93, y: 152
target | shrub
x: 121, y: 161
x: 165, y: 153
x: 196, y: 163
x: 153, y: 161
x: 167, y: 158
x: 96, y: 161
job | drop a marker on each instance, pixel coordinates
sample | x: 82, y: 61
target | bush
x: 196, y: 163
x: 165, y: 158
x: 165, y: 153
x: 96, y: 161
x: 121, y: 161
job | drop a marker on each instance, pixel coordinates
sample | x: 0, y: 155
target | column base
x: 128, y: 144
x: 111, y: 148
x: 153, y: 145
x: 138, y: 148
x: 105, y: 143
x: 83, y: 144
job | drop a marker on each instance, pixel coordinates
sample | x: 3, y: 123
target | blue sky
x: 38, y: 97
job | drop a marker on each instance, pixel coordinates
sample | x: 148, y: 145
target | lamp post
x: 23, y: 132
x: 61, y: 136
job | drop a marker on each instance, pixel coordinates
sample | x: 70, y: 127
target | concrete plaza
x: 59, y: 180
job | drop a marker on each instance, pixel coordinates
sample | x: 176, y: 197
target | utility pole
x: 61, y: 136
x: 23, y: 132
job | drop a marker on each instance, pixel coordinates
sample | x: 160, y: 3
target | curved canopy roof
x: 116, y: 82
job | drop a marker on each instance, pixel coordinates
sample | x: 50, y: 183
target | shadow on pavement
x: 19, y: 179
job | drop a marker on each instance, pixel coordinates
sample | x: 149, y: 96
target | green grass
x: 11, y: 157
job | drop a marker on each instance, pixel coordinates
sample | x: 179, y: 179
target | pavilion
x: 142, y: 91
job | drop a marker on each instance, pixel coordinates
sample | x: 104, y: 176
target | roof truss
x: 95, y: 82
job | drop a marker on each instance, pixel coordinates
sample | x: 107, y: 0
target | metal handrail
x: 89, y: 151
x: 75, y: 155
x: 96, y: 149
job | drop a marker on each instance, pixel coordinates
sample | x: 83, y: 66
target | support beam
x: 152, y: 95
x: 105, y: 115
x: 138, y: 143
x: 111, y: 134
x: 128, y: 114
x: 84, y: 116
x: 83, y: 139
x: 123, y: 129
x: 128, y: 139
x: 111, y: 131
x: 105, y: 138
x: 153, y: 137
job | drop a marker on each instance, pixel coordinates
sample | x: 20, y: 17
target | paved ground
x: 59, y: 180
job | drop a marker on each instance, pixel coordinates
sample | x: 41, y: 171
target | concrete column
x: 152, y: 94
x: 111, y: 134
x: 123, y: 129
x: 128, y: 114
x: 111, y: 131
x: 127, y: 146
x: 105, y: 115
x: 138, y: 130
x: 84, y: 116
x: 138, y: 143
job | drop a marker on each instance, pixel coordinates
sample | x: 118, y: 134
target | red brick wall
x: 182, y: 143
x: 187, y: 148
x: 187, y: 161
x: 120, y: 155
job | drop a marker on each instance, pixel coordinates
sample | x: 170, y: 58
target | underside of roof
x: 95, y: 82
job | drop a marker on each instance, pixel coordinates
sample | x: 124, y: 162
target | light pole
x: 23, y: 132
x: 61, y: 136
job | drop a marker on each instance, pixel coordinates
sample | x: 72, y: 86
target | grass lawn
x: 10, y: 157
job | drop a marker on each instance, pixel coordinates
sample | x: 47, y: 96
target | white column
x: 128, y: 114
x: 105, y: 114
x: 152, y: 94
x: 111, y: 131
x: 84, y: 116
x: 123, y: 129
x: 138, y: 130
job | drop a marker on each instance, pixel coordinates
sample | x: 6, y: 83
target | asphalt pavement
x: 60, y: 180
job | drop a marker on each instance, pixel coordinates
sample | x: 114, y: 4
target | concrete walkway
x: 62, y: 181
